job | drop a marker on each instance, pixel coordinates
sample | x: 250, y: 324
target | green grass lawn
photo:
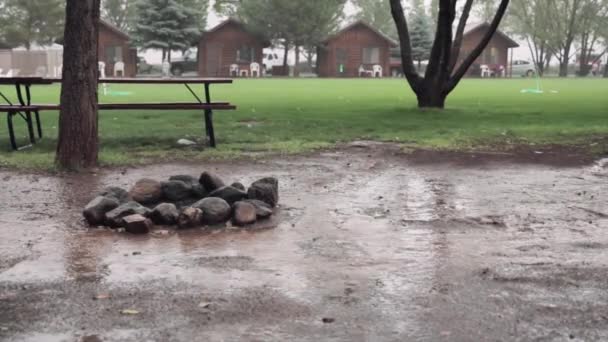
x: 294, y: 115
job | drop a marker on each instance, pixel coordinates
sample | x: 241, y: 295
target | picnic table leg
x: 28, y: 114
x: 209, y: 118
x: 11, y: 130
x: 28, y: 95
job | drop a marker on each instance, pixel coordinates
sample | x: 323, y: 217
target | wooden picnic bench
x: 28, y: 111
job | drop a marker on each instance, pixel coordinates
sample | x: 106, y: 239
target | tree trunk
x: 78, y: 141
x: 606, y: 70
x: 563, y: 68
x: 296, y: 68
x: 429, y: 98
x: 285, y: 55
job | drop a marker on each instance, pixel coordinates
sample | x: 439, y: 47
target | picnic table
x: 28, y: 111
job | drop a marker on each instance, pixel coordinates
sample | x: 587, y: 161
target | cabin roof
x: 470, y: 28
x: 114, y: 29
x: 382, y: 35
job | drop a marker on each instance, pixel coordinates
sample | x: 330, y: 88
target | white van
x: 272, y: 58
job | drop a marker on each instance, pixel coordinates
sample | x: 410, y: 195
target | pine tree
x: 420, y: 34
x: 118, y: 13
x: 169, y: 24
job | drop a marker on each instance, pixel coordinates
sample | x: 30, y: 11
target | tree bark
x: 606, y: 70
x: 78, y: 140
x: 439, y: 81
x: 296, y: 68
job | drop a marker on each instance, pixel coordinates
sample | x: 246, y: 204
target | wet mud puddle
x: 368, y: 246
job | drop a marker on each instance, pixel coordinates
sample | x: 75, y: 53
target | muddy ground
x: 370, y: 245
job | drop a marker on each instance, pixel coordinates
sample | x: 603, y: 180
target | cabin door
x: 341, y: 62
x: 214, y: 60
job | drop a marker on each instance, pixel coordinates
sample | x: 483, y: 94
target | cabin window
x: 341, y: 56
x: 245, y: 54
x: 493, y: 55
x: 113, y: 54
x: 371, y: 55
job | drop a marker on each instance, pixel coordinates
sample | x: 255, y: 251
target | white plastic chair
x: 244, y: 73
x: 255, y: 69
x: 362, y: 71
x: 119, y: 67
x: 485, y: 71
x: 102, y: 74
x: 234, y: 70
x: 377, y: 70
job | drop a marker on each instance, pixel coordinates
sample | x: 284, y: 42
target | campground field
x: 297, y: 115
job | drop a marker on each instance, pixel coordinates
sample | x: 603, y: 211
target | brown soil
x: 370, y: 244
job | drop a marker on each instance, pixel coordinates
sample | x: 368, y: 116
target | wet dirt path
x: 370, y: 245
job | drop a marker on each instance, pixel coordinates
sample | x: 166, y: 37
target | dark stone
x: 137, y: 224
x: 175, y: 190
x: 262, y: 209
x: 146, y: 191
x: 215, y: 210
x: 239, y: 186
x: 196, y: 189
x: 95, y: 211
x: 115, y: 216
x: 210, y: 181
x: 190, y: 218
x: 265, y: 190
x: 229, y: 194
x: 244, y: 214
x: 121, y: 195
x: 165, y: 214
x: 184, y: 178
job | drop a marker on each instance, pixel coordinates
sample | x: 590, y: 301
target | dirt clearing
x: 369, y: 245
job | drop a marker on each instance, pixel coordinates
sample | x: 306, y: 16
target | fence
x: 32, y: 63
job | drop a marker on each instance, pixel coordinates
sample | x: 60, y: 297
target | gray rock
x: 215, y: 210
x: 244, y: 213
x: 197, y: 190
x: 210, y: 181
x: 137, y: 224
x: 184, y: 178
x: 121, y: 195
x: 265, y: 190
x: 175, y: 190
x: 146, y: 191
x: 229, y: 194
x: 115, y: 216
x: 165, y: 214
x: 262, y: 209
x: 95, y: 211
x: 190, y: 218
x: 238, y: 185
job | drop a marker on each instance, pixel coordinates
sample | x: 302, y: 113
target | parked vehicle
x: 187, y: 63
x: 143, y: 67
x: 523, y: 68
x: 271, y: 59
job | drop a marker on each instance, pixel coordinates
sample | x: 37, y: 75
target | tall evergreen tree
x: 169, y: 24
x: 420, y: 34
x: 25, y: 22
x: 118, y: 13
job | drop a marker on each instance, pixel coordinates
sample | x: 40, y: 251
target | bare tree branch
x: 464, y: 17
x: 466, y: 64
x: 406, y: 48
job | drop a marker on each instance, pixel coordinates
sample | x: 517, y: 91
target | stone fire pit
x: 184, y: 202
